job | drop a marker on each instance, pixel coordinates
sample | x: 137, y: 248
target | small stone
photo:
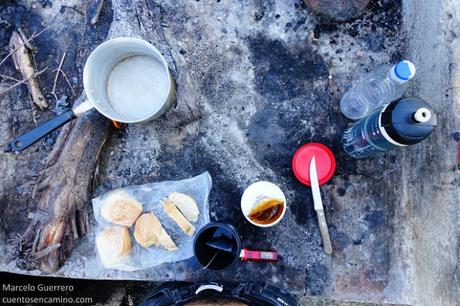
x: 107, y: 184
x: 338, y: 10
x: 258, y: 16
x: 358, y: 241
x: 46, y: 3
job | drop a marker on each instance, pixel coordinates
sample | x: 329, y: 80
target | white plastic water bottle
x: 379, y: 87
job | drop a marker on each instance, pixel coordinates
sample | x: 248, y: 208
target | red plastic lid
x: 325, y: 163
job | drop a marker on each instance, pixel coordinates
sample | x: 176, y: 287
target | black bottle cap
x: 408, y: 120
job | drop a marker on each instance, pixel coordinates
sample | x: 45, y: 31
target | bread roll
x: 148, y: 231
x: 186, y: 204
x: 113, y: 245
x: 172, y: 211
x: 121, y: 208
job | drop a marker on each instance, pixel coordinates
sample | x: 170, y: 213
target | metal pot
x: 125, y: 79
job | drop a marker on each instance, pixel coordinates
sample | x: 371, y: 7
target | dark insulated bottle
x: 403, y: 122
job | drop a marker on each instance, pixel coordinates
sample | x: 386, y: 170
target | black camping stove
x: 172, y: 294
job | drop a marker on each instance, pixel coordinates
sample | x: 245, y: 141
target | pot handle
x: 26, y: 140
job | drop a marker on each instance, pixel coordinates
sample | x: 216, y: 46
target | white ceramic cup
x: 257, y: 192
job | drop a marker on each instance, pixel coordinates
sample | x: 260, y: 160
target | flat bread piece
x: 148, y: 231
x: 120, y: 208
x: 186, y: 204
x: 172, y: 211
x: 113, y: 245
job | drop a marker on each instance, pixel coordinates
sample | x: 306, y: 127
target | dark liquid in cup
x: 211, y: 257
x: 267, y: 211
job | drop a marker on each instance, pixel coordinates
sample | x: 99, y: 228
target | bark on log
x: 64, y: 190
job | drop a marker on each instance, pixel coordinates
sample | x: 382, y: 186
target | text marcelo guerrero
x: 39, y: 287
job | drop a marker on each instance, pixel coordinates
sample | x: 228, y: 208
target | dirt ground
x: 255, y: 80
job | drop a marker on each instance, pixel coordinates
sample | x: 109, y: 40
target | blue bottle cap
x: 404, y: 70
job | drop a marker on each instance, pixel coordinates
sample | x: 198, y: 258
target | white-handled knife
x: 318, y: 203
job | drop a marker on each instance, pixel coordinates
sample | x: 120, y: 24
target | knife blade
x: 318, y: 205
x: 317, y: 201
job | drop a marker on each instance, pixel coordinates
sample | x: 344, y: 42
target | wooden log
x: 23, y: 63
x: 63, y: 192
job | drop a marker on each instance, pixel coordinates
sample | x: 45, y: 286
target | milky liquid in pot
x: 137, y: 86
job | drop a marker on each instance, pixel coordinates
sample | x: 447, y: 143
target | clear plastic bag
x: 151, y: 196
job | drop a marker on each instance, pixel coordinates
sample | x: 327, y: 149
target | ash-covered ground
x: 255, y: 81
